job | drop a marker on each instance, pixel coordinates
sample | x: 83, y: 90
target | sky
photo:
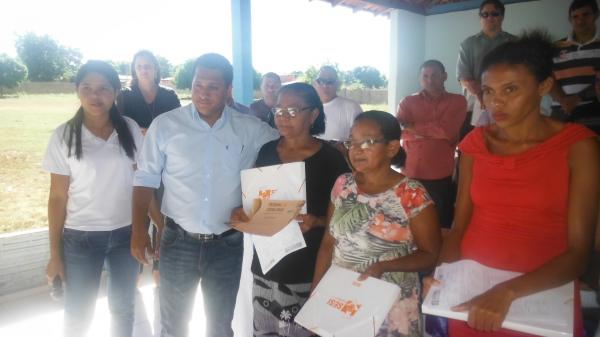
x: 287, y: 35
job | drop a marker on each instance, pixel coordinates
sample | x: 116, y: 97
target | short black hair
x: 309, y: 95
x: 497, y: 3
x: 436, y: 63
x: 577, y: 4
x: 532, y: 49
x: 390, y: 130
x: 218, y: 62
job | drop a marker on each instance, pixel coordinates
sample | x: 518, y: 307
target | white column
x: 407, y: 52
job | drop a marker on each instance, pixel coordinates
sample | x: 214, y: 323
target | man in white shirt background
x: 339, y: 111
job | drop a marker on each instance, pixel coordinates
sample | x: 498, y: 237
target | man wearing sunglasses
x: 339, y: 111
x: 576, y: 61
x: 471, y: 53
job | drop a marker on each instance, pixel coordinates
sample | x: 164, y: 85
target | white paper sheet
x: 276, y: 182
x: 547, y: 313
x: 271, y: 249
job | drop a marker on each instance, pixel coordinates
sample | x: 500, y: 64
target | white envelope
x: 276, y: 182
x: 341, y: 306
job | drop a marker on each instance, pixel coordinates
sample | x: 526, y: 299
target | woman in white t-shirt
x: 91, y: 160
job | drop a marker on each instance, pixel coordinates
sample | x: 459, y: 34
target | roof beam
x: 463, y: 6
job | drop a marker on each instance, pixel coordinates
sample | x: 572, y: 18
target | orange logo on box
x: 346, y: 307
x: 265, y: 194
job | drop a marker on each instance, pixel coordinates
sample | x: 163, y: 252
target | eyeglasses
x: 325, y: 81
x: 289, y: 112
x: 363, y: 144
x: 486, y: 15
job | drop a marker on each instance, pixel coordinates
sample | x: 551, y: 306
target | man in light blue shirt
x: 198, y: 151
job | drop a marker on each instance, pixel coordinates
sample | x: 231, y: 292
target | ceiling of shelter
x: 424, y: 7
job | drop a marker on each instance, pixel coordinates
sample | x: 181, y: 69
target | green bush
x: 184, y: 74
x: 12, y: 73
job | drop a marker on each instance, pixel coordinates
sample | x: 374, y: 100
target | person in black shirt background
x: 143, y: 101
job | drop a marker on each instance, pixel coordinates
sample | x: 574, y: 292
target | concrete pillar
x: 407, y: 52
x: 242, y: 51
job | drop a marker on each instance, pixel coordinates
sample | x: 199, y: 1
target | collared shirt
x: 470, y: 55
x: 339, y: 116
x: 431, y: 142
x: 200, y: 165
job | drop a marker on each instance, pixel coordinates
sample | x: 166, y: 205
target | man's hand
x: 568, y: 103
x: 473, y: 87
x: 140, y: 246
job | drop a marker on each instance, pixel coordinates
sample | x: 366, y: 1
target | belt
x: 199, y: 236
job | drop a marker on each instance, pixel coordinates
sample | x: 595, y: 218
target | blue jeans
x: 185, y: 261
x: 85, y: 253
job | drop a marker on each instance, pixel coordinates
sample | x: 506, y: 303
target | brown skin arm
x: 325, y: 254
x: 450, y: 251
x: 140, y: 240
x: 487, y: 311
x: 159, y: 221
x: 473, y: 87
x: 567, y: 102
x: 57, y: 212
x: 426, y: 232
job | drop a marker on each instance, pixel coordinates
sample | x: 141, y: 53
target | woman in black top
x: 145, y: 98
x: 279, y: 294
x: 143, y: 101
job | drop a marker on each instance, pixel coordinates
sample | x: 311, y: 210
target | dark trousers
x: 443, y: 193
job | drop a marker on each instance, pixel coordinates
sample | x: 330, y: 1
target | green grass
x: 381, y: 107
x: 26, y: 123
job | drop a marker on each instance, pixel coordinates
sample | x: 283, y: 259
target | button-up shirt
x: 200, y: 165
x: 432, y: 138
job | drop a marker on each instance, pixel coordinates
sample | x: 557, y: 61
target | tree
x: 166, y: 68
x: 122, y: 67
x: 310, y: 75
x: 12, y: 73
x: 369, y: 77
x: 256, y: 79
x: 184, y: 74
x: 45, y: 59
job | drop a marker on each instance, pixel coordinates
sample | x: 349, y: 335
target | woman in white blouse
x: 91, y: 161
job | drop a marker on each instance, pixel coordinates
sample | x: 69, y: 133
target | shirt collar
x: 572, y: 40
x: 429, y: 98
x: 482, y: 35
x: 218, y: 124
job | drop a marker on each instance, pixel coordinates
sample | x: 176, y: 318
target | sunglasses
x: 289, y: 112
x: 486, y: 15
x: 324, y: 81
x: 363, y: 144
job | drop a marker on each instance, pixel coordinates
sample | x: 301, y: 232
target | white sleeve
x: 151, y: 159
x: 55, y: 160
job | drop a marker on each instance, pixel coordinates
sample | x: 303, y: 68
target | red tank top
x: 520, y: 202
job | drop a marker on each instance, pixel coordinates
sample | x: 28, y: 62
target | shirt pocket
x: 231, y: 156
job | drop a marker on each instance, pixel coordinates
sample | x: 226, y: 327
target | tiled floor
x: 38, y: 315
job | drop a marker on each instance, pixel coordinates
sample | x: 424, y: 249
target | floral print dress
x: 372, y: 228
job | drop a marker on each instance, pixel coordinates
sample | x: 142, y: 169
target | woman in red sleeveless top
x: 528, y: 189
